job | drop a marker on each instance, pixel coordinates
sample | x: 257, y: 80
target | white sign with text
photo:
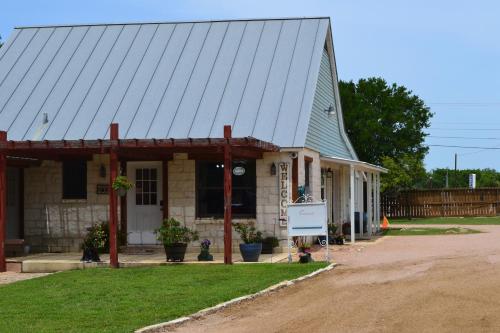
x: 284, y: 193
x: 307, y: 219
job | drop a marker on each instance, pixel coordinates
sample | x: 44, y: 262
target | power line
x: 461, y: 137
x: 464, y: 129
x: 465, y: 147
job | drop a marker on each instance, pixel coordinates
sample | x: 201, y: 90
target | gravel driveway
x: 394, y: 284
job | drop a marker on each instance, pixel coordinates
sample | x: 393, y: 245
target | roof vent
x: 45, y: 118
x: 330, y: 110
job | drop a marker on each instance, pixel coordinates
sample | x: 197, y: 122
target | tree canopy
x: 386, y: 124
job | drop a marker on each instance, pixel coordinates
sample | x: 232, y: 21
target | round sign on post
x: 239, y: 171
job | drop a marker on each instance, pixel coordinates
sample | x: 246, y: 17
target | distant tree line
x: 459, y: 179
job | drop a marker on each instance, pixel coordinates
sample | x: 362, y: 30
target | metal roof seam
x: 26, y: 72
x: 51, y: 121
x: 228, y: 79
x: 39, y: 80
x: 208, y: 80
x: 55, y: 83
x: 19, y: 57
x: 169, y: 81
x: 112, y: 82
x: 150, y: 80
x: 131, y: 80
x: 92, y: 84
x: 5, y: 47
x: 306, y: 82
x: 286, y: 80
x: 189, y: 80
x: 248, y: 75
x: 267, y: 79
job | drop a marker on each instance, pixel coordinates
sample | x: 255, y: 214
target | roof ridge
x: 173, y: 22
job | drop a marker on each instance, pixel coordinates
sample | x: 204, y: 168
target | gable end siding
x: 324, y: 133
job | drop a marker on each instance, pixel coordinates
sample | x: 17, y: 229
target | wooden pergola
x: 123, y: 150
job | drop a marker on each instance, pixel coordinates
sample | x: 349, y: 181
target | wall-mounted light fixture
x: 330, y: 110
x: 273, y: 169
x: 102, y: 171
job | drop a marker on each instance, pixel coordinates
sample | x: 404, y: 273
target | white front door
x: 144, y: 213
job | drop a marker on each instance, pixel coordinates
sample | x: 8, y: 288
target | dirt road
x: 396, y: 284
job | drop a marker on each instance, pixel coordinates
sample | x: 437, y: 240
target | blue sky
x: 447, y: 52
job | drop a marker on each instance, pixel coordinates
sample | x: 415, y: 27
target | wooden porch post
x: 228, y: 188
x: 351, y: 205
x: 3, y: 202
x: 113, y: 202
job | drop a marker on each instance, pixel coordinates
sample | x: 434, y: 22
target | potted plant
x: 121, y: 185
x: 269, y: 243
x: 96, y: 240
x: 175, y: 238
x: 252, y: 241
x: 205, y: 251
x: 305, y: 253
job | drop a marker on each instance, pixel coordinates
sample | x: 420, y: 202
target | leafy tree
x: 484, y: 178
x: 386, y: 124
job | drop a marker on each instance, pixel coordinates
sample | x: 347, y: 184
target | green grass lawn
x: 450, y: 220
x: 107, y: 300
x: 427, y: 231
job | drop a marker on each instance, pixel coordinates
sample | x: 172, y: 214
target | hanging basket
x: 121, y: 192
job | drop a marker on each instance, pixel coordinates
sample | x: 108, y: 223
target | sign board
x: 284, y: 192
x: 472, y: 180
x: 307, y: 219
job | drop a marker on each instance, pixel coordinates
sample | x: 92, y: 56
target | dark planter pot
x: 205, y: 256
x: 305, y: 259
x: 90, y: 255
x: 267, y: 248
x: 339, y: 241
x: 175, y: 252
x: 121, y: 192
x: 251, y: 252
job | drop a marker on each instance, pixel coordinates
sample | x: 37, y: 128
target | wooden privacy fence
x: 442, y: 202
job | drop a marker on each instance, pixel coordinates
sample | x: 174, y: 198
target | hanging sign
x: 238, y: 171
x: 284, y: 192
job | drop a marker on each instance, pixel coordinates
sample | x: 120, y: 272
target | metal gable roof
x: 162, y: 80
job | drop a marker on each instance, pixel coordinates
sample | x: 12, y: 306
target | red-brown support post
x: 3, y: 202
x: 113, y: 201
x: 228, y: 188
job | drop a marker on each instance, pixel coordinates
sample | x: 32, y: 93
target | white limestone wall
x: 52, y: 223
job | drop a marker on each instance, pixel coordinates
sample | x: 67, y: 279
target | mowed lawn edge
x: 449, y: 220
x: 110, y: 300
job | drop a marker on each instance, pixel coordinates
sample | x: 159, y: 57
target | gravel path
x: 394, y: 284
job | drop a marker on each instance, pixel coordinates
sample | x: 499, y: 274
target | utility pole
x: 455, y: 174
x: 446, y: 180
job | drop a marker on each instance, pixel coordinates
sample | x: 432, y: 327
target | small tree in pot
x: 252, y: 241
x: 269, y: 243
x: 175, y: 238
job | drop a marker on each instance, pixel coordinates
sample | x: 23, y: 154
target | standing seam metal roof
x: 162, y: 80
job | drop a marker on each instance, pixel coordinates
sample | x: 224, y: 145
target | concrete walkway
x: 55, y: 262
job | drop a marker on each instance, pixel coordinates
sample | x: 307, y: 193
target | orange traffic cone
x: 385, y: 224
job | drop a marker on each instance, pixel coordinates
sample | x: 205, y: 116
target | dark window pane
x: 74, y: 179
x: 145, y: 174
x: 146, y: 186
x: 210, y: 189
x: 145, y: 199
x: 153, y: 174
x: 153, y: 199
x: 153, y: 187
x: 138, y: 186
